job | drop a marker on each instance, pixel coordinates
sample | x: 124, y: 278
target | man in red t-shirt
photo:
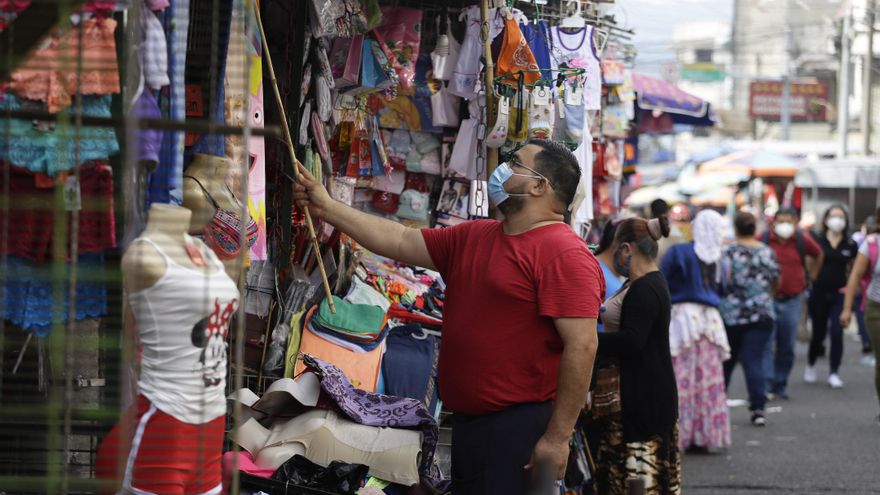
x: 793, y: 249
x: 519, y: 329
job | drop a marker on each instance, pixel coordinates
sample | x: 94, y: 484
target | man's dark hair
x: 745, y: 224
x: 560, y: 167
x: 659, y: 208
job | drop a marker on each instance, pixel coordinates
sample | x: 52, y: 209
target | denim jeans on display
x: 779, y: 353
x: 747, y: 346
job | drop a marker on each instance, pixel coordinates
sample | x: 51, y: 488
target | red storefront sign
x: 809, y: 101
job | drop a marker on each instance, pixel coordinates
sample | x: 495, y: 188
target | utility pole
x: 867, y: 80
x: 843, y: 85
x: 785, y: 115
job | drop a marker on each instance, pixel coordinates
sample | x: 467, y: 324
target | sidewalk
x: 822, y: 441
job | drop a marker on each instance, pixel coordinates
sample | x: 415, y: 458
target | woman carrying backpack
x: 865, y: 275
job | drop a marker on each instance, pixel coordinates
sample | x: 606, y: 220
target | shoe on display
x: 810, y: 374
x: 834, y: 381
x: 758, y: 418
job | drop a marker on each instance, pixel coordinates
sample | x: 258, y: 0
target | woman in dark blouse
x: 826, y: 298
x: 643, y: 427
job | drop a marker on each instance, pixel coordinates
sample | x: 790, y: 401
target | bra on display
x: 223, y: 233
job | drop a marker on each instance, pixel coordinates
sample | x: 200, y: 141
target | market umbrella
x: 719, y: 198
x: 683, y: 107
x: 702, y: 182
x: 754, y: 163
x: 645, y: 195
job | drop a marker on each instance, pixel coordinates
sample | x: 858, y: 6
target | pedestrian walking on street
x: 859, y: 307
x: 865, y: 276
x: 519, y: 324
x: 635, y: 395
x: 697, y: 337
x: 751, y: 276
x: 793, y: 250
x: 826, y: 297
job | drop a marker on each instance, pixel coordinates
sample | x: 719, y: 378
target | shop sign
x: 809, y: 101
x: 703, y: 73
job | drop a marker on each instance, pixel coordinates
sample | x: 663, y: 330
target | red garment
x: 162, y: 455
x: 32, y: 212
x: 500, y: 346
x: 791, y: 266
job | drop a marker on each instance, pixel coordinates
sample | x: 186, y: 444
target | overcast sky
x: 653, y: 21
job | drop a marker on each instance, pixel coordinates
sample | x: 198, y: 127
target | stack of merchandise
x: 357, y: 327
x: 319, y: 431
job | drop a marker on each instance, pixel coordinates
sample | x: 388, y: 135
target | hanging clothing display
x: 53, y: 75
x: 577, y: 50
x: 59, y: 148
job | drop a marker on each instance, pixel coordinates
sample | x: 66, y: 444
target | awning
x: 755, y: 163
x: 682, y: 107
x: 840, y: 174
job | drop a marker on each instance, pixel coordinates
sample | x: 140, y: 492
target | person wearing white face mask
x: 826, y: 297
x: 519, y: 324
x: 793, y: 251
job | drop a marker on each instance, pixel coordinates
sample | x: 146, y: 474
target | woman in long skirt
x: 697, y: 337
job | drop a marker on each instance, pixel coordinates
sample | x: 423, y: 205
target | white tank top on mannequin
x: 183, y: 323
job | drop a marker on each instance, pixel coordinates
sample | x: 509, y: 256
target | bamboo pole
x: 293, y: 161
x: 489, y: 81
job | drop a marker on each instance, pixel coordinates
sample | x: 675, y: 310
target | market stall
x: 155, y: 209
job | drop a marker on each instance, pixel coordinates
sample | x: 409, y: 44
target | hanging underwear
x: 223, y: 233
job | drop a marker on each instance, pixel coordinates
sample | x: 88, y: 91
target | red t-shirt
x: 792, y: 280
x: 500, y: 346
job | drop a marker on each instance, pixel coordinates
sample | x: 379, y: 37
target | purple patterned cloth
x: 371, y: 409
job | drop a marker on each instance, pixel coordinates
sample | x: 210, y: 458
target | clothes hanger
x: 575, y: 20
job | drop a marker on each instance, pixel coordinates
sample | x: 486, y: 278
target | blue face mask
x: 502, y: 173
x: 622, y: 269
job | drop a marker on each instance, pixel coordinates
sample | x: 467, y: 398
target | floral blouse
x: 750, y: 272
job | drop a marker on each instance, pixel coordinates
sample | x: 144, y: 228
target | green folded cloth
x: 351, y: 318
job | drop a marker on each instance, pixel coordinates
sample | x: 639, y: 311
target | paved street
x: 822, y: 441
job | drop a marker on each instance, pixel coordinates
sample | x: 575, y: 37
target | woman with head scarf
x: 697, y: 338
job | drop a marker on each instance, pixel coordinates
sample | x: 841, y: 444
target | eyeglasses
x: 514, y: 161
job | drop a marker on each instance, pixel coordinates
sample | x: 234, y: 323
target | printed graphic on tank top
x: 183, y: 321
x: 575, y: 49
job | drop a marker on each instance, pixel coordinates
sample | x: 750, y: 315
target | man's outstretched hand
x: 309, y: 192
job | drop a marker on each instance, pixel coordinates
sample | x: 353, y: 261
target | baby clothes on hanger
x: 467, y: 69
x: 536, y: 36
x: 515, y: 54
x: 577, y: 50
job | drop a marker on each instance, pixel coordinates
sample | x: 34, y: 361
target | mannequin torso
x: 142, y: 265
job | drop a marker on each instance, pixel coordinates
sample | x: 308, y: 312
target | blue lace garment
x: 54, y: 151
x: 27, y: 297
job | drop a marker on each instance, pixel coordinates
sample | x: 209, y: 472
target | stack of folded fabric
x: 356, y: 327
